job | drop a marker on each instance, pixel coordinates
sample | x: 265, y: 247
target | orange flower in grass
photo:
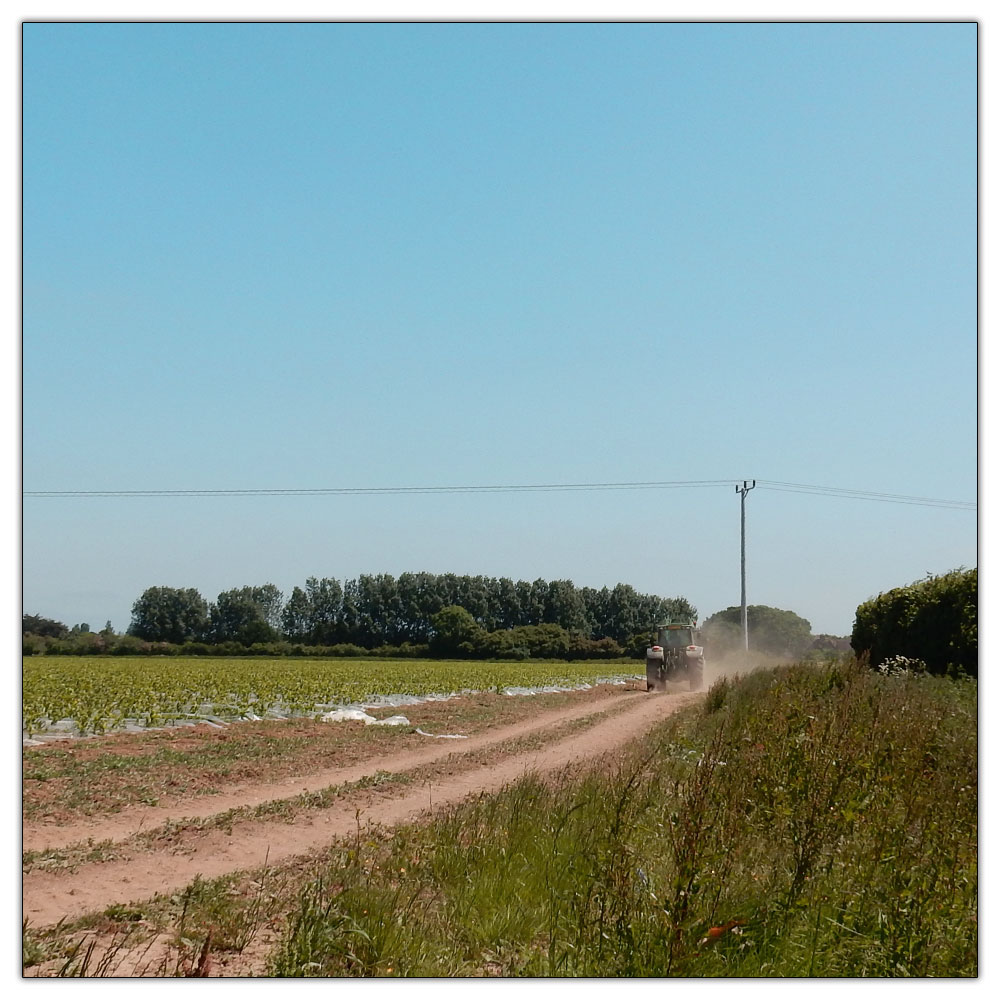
x: 714, y: 933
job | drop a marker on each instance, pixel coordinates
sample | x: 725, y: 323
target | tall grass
x: 803, y: 821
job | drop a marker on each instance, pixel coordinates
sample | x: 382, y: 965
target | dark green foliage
x: 314, y: 615
x: 594, y: 649
x: 818, y: 821
x: 543, y: 642
x: 770, y: 630
x: 76, y: 642
x: 621, y: 612
x: 247, y: 615
x: 455, y: 632
x: 130, y: 645
x: 169, y: 614
x: 715, y: 697
x: 33, y: 645
x: 378, y: 612
x: 37, y: 625
x: 295, y: 617
x: 934, y: 620
x: 564, y: 605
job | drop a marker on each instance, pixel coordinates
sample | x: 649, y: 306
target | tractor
x: 676, y: 655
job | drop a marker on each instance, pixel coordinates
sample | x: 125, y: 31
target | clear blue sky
x: 294, y: 256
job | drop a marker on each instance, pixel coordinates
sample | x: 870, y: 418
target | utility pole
x: 743, y: 491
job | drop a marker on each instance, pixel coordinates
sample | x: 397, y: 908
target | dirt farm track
x: 503, y: 739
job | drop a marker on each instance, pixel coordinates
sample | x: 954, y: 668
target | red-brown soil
x: 444, y: 771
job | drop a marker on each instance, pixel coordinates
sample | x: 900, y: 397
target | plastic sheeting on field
x: 65, y: 729
x: 399, y: 700
x: 512, y: 692
x: 359, y: 715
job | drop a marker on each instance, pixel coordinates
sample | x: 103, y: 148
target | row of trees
x: 420, y: 614
x: 934, y: 621
x: 379, y: 610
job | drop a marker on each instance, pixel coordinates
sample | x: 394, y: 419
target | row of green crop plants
x: 802, y: 821
x: 100, y: 694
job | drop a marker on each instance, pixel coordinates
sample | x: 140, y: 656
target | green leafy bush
x: 934, y: 620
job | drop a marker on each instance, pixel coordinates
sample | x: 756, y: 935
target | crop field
x: 102, y: 694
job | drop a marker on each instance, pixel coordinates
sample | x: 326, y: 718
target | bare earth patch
x: 66, y: 782
x: 507, y: 740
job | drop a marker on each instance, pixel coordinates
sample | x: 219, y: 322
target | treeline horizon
x: 373, y: 612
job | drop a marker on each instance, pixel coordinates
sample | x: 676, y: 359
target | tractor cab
x: 677, y: 635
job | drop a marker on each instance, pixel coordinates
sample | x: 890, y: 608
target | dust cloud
x: 735, y: 663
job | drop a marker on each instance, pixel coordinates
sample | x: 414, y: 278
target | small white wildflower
x: 900, y: 665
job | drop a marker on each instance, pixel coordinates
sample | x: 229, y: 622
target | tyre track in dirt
x: 136, y: 819
x: 49, y: 897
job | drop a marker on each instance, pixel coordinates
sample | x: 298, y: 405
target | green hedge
x: 933, y: 620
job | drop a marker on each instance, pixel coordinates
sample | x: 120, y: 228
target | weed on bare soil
x: 181, y: 834
x: 104, y: 775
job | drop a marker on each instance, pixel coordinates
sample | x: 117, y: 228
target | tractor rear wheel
x: 696, y: 676
x: 654, y: 674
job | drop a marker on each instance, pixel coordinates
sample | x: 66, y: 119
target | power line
x: 776, y: 485
x: 379, y: 490
x: 847, y: 494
